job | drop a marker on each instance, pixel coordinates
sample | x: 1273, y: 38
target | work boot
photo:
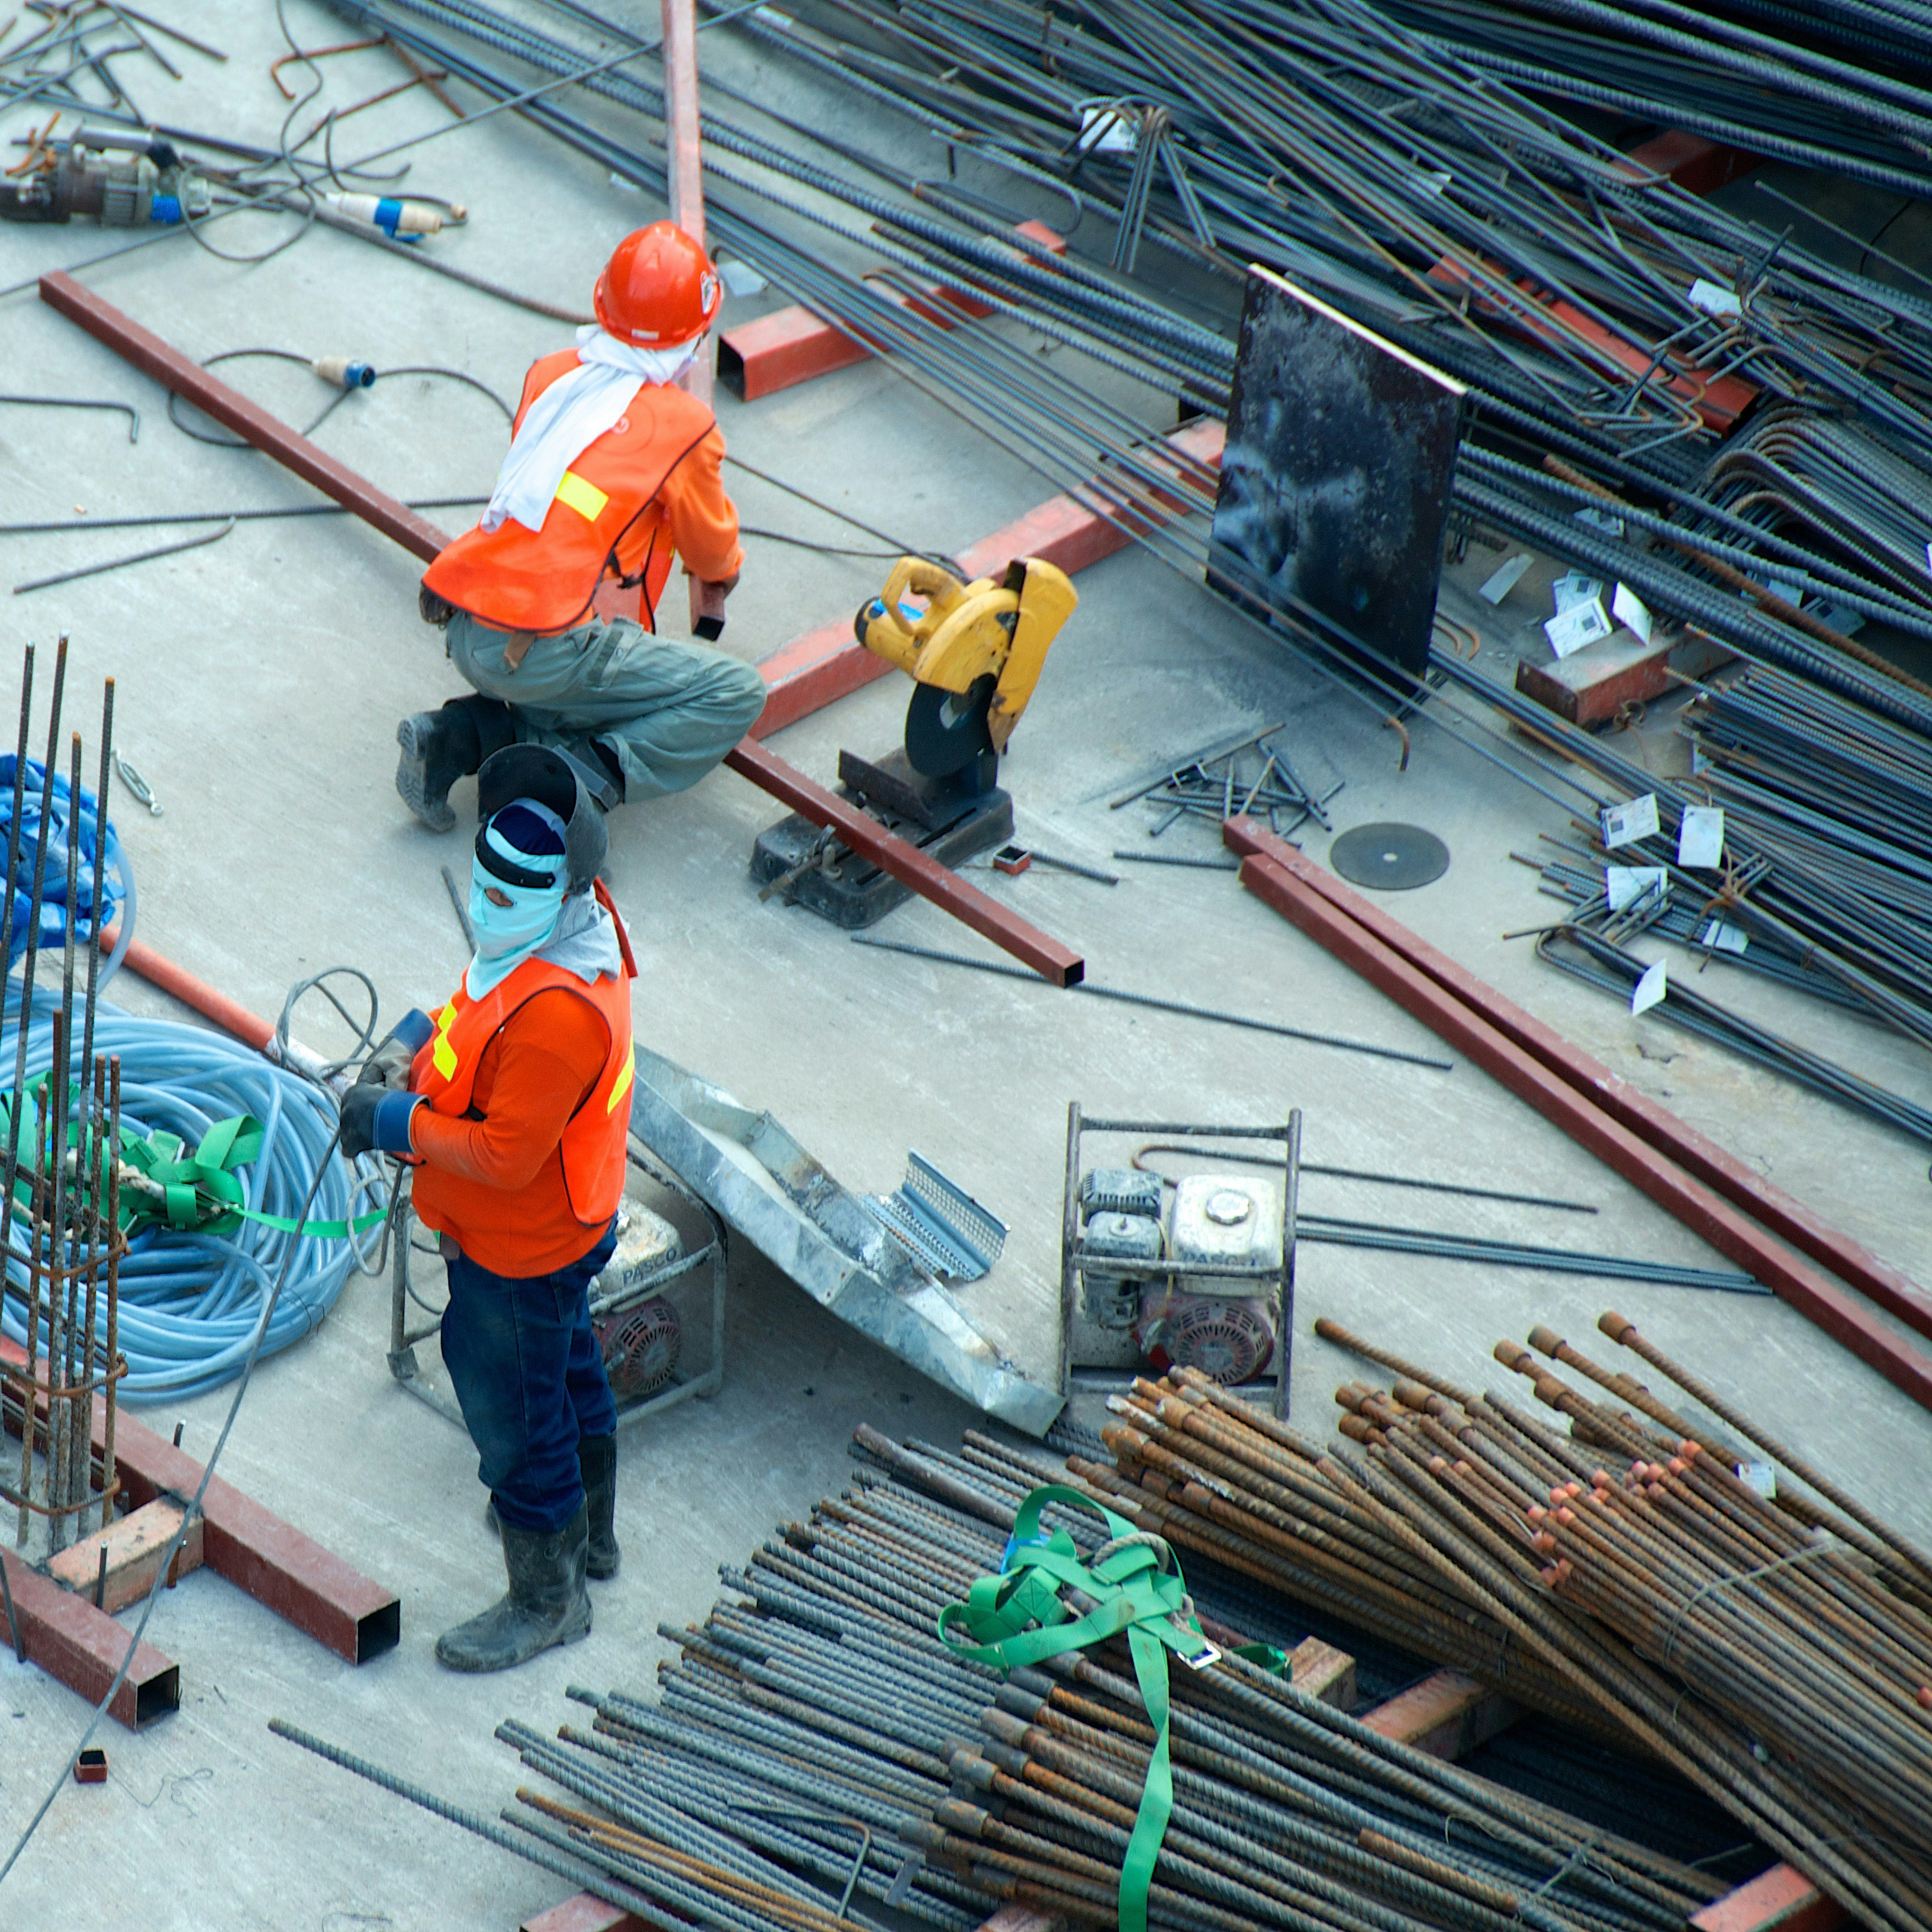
x: 440, y: 747
x: 546, y: 1603
x: 597, y: 1460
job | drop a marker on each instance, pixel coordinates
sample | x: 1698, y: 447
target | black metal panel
x: 1335, y: 481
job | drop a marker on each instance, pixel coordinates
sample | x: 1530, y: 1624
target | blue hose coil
x: 189, y: 1302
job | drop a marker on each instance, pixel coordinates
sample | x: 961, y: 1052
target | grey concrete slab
x: 258, y: 682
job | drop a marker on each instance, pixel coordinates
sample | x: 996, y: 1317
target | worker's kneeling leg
x: 665, y: 710
x: 508, y: 1345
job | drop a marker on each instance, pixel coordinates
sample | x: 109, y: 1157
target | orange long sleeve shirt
x: 495, y: 1184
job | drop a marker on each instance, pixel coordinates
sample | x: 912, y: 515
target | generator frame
x: 1073, y: 1252
x: 402, y: 1339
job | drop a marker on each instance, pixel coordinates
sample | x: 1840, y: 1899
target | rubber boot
x: 546, y: 1603
x: 440, y: 747
x: 597, y: 1461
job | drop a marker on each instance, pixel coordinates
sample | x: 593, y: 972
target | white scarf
x: 581, y: 405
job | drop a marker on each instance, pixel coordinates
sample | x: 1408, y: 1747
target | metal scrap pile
x: 1774, y: 1648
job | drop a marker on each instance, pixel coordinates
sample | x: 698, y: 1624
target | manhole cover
x: 1391, y: 858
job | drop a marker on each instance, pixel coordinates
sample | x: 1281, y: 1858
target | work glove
x: 376, y: 1121
x: 389, y: 1065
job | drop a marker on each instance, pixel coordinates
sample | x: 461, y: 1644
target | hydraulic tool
x: 145, y: 181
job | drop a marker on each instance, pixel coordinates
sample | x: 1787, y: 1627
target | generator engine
x: 1194, y: 1321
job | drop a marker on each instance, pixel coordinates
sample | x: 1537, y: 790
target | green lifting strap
x: 199, y: 1190
x: 1019, y: 1618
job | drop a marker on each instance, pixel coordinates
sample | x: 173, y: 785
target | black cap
x: 533, y: 771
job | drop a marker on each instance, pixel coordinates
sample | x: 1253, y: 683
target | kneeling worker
x: 612, y: 469
x: 514, y: 1102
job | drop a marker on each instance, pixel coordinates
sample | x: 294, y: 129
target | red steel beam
x: 1700, y: 1156
x: 1778, y: 1900
x: 908, y: 864
x: 1468, y: 1027
x: 905, y: 862
x: 169, y: 367
x: 66, y: 1636
x: 271, y: 1560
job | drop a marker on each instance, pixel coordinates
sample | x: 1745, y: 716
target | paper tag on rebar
x: 1600, y: 520
x: 1581, y: 625
x: 1720, y: 937
x: 1505, y: 577
x: 1106, y: 130
x: 1841, y: 618
x: 1649, y: 991
x: 1625, y: 824
x: 1700, y: 837
x: 1714, y: 299
x: 1762, y: 1477
x: 1630, y: 611
x: 1624, y: 886
x: 1573, y: 588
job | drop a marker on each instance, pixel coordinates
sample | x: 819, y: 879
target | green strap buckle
x: 1135, y: 1584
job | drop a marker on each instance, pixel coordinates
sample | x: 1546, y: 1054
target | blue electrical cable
x: 189, y: 1301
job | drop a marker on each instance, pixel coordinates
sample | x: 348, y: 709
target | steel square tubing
x: 1700, y: 1183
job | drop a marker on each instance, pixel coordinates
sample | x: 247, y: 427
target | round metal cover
x: 1391, y: 858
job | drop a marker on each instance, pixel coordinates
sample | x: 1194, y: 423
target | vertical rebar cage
x: 62, y: 1176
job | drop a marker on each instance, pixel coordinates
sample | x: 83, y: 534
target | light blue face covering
x: 507, y: 935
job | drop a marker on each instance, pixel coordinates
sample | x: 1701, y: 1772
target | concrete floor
x: 259, y: 681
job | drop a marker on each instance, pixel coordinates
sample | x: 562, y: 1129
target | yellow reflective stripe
x: 442, y: 1055
x: 586, y: 499
x: 623, y: 1084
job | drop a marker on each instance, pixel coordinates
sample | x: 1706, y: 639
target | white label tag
x: 1573, y: 588
x: 1505, y: 577
x: 1581, y: 624
x: 1762, y: 1477
x: 1628, y: 609
x: 1700, y: 837
x: 1624, y: 824
x: 1714, y: 299
x: 1105, y: 131
x: 1625, y: 885
x: 1603, y: 520
x: 1842, y: 618
x: 1723, y: 938
x: 1648, y: 991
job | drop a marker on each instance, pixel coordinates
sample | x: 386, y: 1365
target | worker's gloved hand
x: 375, y: 1121
x: 389, y: 1065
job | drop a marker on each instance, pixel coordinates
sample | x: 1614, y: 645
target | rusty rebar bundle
x: 62, y: 1140
x: 816, y: 1741
x: 1775, y: 1651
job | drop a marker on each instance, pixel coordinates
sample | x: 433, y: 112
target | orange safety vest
x: 593, y: 1147
x: 545, y: 580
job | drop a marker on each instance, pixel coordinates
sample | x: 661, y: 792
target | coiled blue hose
x: 189, y: 1302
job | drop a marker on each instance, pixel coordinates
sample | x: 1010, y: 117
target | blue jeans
x: 529, y: 1376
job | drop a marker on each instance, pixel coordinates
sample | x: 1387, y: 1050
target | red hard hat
x: 659, y: 288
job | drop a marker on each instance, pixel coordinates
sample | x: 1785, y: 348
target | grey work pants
x: 668, y: 709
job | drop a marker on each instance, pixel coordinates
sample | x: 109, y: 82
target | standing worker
x: 612, y: 469
x: 514, y: 1102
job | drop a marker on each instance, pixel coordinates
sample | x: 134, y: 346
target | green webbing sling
x: 198, y: 1190
x: 1017, y: 1618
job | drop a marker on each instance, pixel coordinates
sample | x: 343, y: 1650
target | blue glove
x: 389, y: 1065
x: 376, y: 1121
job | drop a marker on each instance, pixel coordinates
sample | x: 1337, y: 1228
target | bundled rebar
x: 1458, y: 1522
x: 817, y: 1743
